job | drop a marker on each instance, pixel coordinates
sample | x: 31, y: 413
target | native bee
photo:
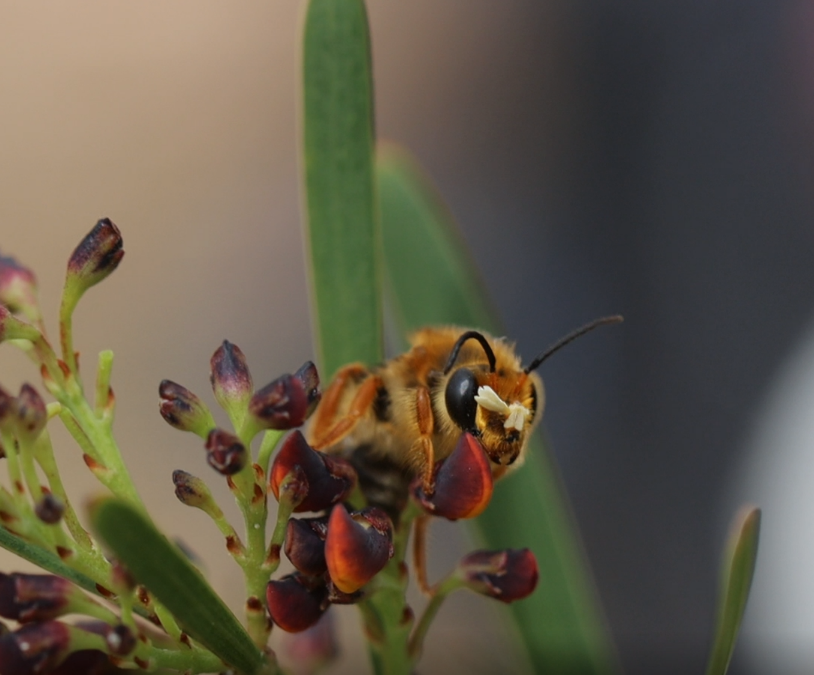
x: 409, y: 412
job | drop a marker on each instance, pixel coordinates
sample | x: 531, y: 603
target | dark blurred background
x: 651, y: 159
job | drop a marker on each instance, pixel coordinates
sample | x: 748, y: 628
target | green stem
x: 270, y: 440
x: 446, y: 587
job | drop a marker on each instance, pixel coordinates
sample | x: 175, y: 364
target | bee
x: 409, y: 412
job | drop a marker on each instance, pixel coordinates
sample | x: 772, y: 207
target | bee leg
x: 327, y: 430
x: 422, y: 525
x: 425, y: 423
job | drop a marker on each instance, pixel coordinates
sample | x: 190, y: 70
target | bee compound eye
x: 460, y: 398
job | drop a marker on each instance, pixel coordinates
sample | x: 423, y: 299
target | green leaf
x: 342, y: 220
x: 433, y: 281
x: 163, y: 569
x: 736, y: 580
x: 45, y: 559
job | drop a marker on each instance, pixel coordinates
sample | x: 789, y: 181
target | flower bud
x: 507, y: 575
x: 357, y: 546
x: 31, y: 413
x: 191, y: 490
x: 12, y: 328
x: 49, y: 509
x: 305, y: 544
x: 184, y: 410
x: 35, y: 648
x: 34, y: 597
x: 224, y: 452
x: 329, y: 479
x: 18, y: 288
x: 309, y: 377
x: 282, y: 404
x: 95, y: 258
x: 463, y: 482
x: 296, y: 602
x: 231, y: 380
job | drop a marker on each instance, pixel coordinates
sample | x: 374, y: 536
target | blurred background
x: 651, y: 159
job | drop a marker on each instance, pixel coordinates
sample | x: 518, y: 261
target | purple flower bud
x: 357, y: 546
x: 463, y: 482
x: 49, y: 509
x: 96, y: 256
x: 35, y: 648
x: 18, y: 288
x: 119, y: 639
x: 184, y: 410
x: 296, y: 602
x: 329, y: 479
x: 224, y: 452
x: 282, y: 404
x: 31, y: 412
x: 191, y: 490
x: 230, y: 377
x: 507, y: 575
x: 34, y: 597
x: 309, y: 377
x: 305, y: 544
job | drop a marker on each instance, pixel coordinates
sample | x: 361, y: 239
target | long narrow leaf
x: 736, y: 580
x: 433, y: 281
x: 163, y: 569
x: 342, y: 223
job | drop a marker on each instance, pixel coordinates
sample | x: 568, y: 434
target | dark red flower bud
x: 18, y: 288
x: 120, y: 640
x: 96, y: 256
x: 34, y: 649
x: 507, y: 575
x: 49, y: 509
x: 224, y: 452
x: 296, y: 602
x: 231, y: 380
x: 12, y: 328
x: 463, y: 482
x: 305, y: 544
x: 184, y: 410
x: 309, y: 377
x: 31, y: 413
x: 329, y: 479
x: 34, y: 597
x: 357, y: 546
x: 282, y: 404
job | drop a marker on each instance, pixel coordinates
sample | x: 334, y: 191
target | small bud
x: 191, y: 490
x: 35, y: 648
x: 296, y: 602
x: 12, y: 328
x: 31, y: 413
x: 329, y: 479
x: 224, y: 452
x: 34, y: 597
x: 463, y: 482
x: 18, y: 288
x: 184, y: 410
x: 507, y: 575
x: 305, y: 544
x: 49, y: 509
x: 282, y: 404
x: 314, y: 648
x: 357, y: 546
x: 310, y: 380
x: 95, y: 258
x: 120, y: 640
x: 231, y: 380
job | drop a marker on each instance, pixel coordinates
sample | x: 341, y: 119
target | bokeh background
x: 653, y: 159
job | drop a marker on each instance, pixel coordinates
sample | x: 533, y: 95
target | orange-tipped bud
x: 507, y: 575
x: 34, y: 649
x: 357, y: 546
x: 224, y: 452
x: 328, y: 479
x: 49, y: 509
x: 296, y: 602
x: 18, y: 288
x: 183, y: 410
x: 287, y: 402
x: 231, y: 380
x: 305, y: 544
x: 95, y: 258
x: 31, y: 413
x: 463, y: 482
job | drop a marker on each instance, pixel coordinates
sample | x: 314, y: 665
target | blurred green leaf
x: 167, y: 573
x: 433, y: 281
x: 736, y: 580
x: 342, y: 223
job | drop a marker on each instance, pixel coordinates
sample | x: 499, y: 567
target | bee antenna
x: 573, y: 335
x: 471, y: 335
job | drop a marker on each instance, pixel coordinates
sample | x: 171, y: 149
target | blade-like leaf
x: 433, y: 281
x: 342, y: 223
x: 736, y: 580
x: 163, y: 569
